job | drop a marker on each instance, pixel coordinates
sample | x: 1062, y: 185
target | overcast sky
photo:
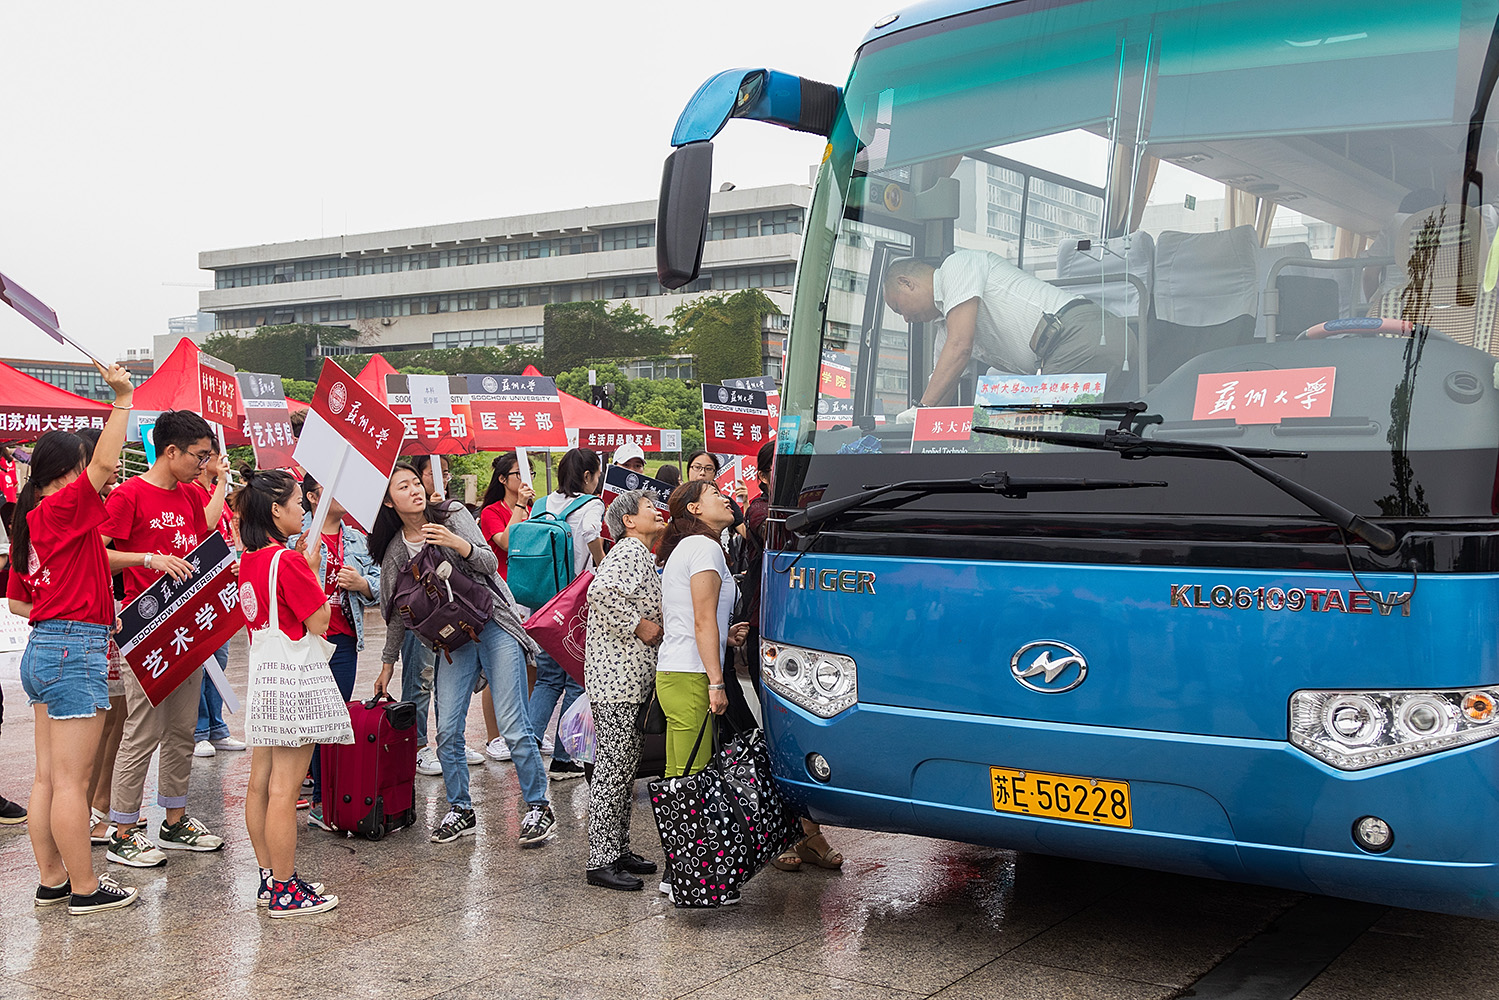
x: 137, y: 135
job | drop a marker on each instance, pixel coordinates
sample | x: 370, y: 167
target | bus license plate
x: 1061, y: 796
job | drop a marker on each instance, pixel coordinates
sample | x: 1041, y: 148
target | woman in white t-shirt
x: 579, y: 475
x: 697, y: 594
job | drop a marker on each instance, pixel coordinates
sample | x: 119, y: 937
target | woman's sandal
x: 97, y: 818
x: 829, y: 859
x: 788, y: 861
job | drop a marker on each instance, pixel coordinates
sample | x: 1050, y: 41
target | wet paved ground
x: 905, y: 918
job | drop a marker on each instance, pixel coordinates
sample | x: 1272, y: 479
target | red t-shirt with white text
x: 145, y: 518
x: 298, y: 593
x: 333, y: 547
x: 67, y: 569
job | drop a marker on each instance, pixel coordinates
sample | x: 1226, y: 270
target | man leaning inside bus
x: 1008, y: 319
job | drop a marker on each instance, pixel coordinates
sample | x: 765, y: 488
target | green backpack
x: 540, y: 560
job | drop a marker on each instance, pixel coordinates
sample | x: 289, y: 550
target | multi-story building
x: 488, y: 282
x: 80, y: 377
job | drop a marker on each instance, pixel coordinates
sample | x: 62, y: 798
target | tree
x: 723, y: 333
x: 511, y: 359
x: 289, y: 351
x: 575, y: 383
x: 298, y: 388
x: 666, y: 402
x: 579, y: 332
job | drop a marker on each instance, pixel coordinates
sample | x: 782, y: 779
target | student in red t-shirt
x: 66, y: 595
x: 351, y: 581
x: 212, y: 735
x: 155, y: 520
x: 287, y: 715
x: 507, y: 496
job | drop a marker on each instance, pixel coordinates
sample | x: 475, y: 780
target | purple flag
x: 38, y: 312
x: 31, y: 307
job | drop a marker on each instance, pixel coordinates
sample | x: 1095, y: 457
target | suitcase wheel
x: 375, y: 832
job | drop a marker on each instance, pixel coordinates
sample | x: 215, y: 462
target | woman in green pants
x: 697, y: 594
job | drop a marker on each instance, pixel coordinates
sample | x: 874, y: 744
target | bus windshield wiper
x: 1001, y: 483
x: 1131, y: 445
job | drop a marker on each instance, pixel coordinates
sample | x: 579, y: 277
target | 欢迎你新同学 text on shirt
x: 141, y: 517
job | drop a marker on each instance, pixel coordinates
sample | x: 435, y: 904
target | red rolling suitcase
x: 368, y: 786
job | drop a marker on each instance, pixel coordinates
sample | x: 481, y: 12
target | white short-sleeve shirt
x: 1011, y: 303
x: 693, y: 554
x: 587, y: 523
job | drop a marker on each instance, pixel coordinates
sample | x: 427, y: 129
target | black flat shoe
x: 635, y: 864
x: 610, y: 877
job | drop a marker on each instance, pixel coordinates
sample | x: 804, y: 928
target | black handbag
x: 651, y: 720
x: 704, y: 833
x: 774, y: 825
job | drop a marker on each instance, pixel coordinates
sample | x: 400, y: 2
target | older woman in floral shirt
x: 619, y: 667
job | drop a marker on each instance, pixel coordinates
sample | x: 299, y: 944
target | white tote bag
x: 293, y: 699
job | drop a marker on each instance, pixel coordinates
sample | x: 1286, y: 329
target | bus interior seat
x: 1131, y: 254
x: 1206, y: 295
x: 1437, y: 277
x: 1307, y: 296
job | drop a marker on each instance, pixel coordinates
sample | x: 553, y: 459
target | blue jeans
x: 416, y: 660
x: 66, y: 668
x: 211, y: 724
x: 552, y: 682
x: 499, y: 656
x: 344, y: 664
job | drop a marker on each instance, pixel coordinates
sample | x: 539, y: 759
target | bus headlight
x: 822, y: 683
x: 1352, y: 730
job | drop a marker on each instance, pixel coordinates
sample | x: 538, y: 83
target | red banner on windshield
x: 1264, y: 397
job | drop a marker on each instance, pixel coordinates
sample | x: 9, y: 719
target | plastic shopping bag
x: 576, y: 729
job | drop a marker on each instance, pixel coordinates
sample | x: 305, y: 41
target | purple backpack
x: 443, y: 605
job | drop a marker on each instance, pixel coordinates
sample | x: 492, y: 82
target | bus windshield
x: 1265, y: 219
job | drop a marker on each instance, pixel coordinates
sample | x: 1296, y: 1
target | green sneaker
x: 187, y: 834
x: 134, y: 850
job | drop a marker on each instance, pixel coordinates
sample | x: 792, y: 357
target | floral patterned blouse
x: 626, y: 588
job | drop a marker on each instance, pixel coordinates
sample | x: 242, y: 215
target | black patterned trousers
x: 616, y: 757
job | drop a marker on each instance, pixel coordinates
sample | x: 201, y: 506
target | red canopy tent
x: 30, y: 407
x: 373, y: 375
x: 174, y: 386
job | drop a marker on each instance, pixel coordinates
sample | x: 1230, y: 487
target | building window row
x: 767, y: 223
x: 488, y: 338
x: 618, y: 238
x: 772, y: 223
x: 656, y: 368
x: 637, y: 286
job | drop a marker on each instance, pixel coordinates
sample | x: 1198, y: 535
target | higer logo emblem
x: 1048, y: 667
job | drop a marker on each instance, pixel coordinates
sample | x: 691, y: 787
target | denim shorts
x: 66, y: 668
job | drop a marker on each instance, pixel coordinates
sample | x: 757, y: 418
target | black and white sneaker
x: 561, y: 770
x: 51, y: 895
x: 109, y: 896
x: 457, y: 823
x: 537, y: 826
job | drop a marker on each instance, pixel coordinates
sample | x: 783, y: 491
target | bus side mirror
x: 682, y: 213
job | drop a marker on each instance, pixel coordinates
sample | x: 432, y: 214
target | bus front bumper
x: 1246, y: 810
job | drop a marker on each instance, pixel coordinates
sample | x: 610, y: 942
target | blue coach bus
x: 1225, y: 605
